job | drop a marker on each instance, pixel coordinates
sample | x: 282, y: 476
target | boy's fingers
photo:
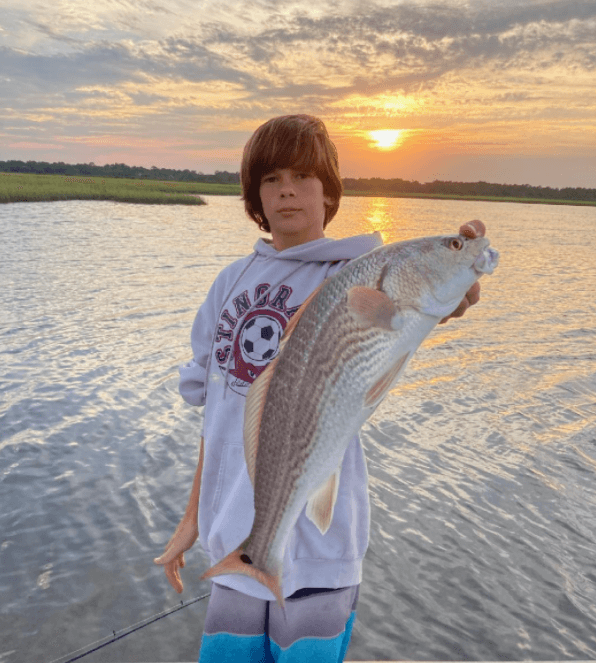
x: 164, y: 557
x: 472, y: 297
x: 171, y: 567
x: 168, y: 556
x: 174, y: 577
x: 461, y: 309
x: 473, y: 294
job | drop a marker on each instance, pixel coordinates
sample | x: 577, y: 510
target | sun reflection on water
x: 379, y: 217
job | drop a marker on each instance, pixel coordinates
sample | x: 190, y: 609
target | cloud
x: 188, y: 69
x: 28, y: 145
x: 99, y: 63
x: 400, y: 47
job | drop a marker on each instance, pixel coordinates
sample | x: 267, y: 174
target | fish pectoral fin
x: 373, y: 308
x: 377, y: 392
x: 320, y: 505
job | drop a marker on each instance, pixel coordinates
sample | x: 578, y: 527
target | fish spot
x: 246, y: 559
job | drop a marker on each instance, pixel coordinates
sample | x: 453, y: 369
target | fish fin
x: 253, y: 413
x: 376, y: 393
x: 257, y: 395
x: 372, y: 308
x: 296, y: 317
x: 320, y: 505
x: 233, y: 564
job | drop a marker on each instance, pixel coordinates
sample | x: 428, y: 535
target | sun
x: 386, y: 139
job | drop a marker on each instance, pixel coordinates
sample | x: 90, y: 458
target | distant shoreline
x: 25, y: 187
x: 488, y: 199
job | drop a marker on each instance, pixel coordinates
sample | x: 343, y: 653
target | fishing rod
x: 118, y: 635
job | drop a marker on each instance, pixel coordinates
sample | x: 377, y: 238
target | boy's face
x: 294, y: 205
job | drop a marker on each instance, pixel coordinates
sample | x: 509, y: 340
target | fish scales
x: 326, y: 349
x: 341, y: 353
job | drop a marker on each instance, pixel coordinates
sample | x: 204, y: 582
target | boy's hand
x: 471, y: 298
x: 173, y: 558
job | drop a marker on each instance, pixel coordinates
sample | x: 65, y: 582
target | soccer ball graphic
x: 259, y: 339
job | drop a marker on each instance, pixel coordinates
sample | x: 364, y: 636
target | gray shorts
x: 317, y: 626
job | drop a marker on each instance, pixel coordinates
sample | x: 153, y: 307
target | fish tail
x: 239, y: 562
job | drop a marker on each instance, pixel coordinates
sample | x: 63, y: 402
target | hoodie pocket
x: 233, y: 503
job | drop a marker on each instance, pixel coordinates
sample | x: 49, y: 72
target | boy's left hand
x: 173, y: 558
x: 471, y: 298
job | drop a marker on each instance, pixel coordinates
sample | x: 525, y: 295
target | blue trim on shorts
x: 326, y: 650
x: 226, y: 648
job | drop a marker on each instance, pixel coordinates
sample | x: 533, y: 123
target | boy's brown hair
x: 300, y: 142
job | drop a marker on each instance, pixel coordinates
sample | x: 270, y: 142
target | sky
x: 462, y: 90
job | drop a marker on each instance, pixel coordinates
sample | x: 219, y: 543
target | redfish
x: 340, y: 354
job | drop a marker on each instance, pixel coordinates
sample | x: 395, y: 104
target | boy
x: 291, y: 189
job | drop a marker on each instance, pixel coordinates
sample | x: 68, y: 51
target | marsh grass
x: 21, y: 187
x: 24, y: 187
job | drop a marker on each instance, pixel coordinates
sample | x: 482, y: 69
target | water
x: 482, y: 461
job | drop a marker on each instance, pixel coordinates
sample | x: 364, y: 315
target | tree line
x: 365, y: 185
x: 116, y: 170
x: 483, y: 189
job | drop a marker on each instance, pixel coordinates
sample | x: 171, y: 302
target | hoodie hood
x: 322, y: 250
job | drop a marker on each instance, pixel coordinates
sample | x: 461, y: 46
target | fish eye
x: 455, y: 244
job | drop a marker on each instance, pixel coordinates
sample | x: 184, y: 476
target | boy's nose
x: 287, y: 187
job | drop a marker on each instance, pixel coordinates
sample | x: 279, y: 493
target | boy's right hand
x: 172, y: 559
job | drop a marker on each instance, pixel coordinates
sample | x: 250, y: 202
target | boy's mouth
x: 288, y: 210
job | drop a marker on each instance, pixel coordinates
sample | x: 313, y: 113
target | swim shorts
x: 242, y: 629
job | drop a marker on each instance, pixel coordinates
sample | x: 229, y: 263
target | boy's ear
x: 328, y: 200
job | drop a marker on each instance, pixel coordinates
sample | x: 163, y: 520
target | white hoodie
x: 235, y: 334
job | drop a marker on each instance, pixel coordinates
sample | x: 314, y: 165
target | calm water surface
x: 482, y: 461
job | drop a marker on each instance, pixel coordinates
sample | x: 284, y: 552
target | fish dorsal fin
x: 296, y: 317
x: 253, y: 413
x: 372, y: 308
x: 320, y: 505
x: 257, y: 395
x: 376, y: 393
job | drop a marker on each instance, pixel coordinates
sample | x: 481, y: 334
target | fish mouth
x: 487, y: 261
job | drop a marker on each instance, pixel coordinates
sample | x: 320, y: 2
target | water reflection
x: 482, y: 460
x: 379, y: 217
